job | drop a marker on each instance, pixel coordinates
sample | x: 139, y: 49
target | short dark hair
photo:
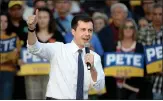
x: 35, y: 1
x: 84, y: 18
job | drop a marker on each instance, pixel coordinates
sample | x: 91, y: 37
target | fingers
x: 36, y: 13
x: 31, y: 20
x: 122, y: 73
x: 89, y: 58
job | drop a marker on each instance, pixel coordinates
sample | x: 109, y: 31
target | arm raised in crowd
x: 43, y: 50
x: 31, y: 22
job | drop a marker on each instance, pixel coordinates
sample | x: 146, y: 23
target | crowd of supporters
x: 119, y: 25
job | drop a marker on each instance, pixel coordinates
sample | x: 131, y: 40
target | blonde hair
x: 121, y: 30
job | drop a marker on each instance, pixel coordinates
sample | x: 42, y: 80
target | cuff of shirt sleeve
x: 33, y: 48
x: 94, y: 82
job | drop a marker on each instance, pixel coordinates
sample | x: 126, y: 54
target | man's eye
x: 90, y: 30
x: 83, y: 29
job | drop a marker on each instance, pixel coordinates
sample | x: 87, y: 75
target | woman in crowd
x: 128, y: 87
x: 46, y: 32
x: 9, y: 54
x: 100, y: 21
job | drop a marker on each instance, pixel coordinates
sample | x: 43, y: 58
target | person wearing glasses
x: 129, y: 87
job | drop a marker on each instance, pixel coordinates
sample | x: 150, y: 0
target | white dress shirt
x: 64, y: 67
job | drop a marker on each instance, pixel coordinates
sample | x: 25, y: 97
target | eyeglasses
x: 129, y: 27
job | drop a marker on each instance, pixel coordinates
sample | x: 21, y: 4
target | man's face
x: 143, y: 23
x: 147, y: 5
x: 62, y: 6
x: 40, y: 4
x: 118, y: 16
x: 83, y: 33
x: 16, y: 11
x: 157, y: 16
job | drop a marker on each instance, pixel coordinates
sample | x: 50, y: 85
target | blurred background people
x: 153, y: 31
x: 109, y: 34
x: 147, y: 7
x: 100, y: 21
x: 9, y: 54
x: 17, y: 25
x: 28, y: 11
x: 105, y: 34
x: 50, y: 5
x: 63, y: 16
x: 16, y: 22
x: 152, y: 35
x: 108, y: 4
x: 76, y: 7
x: 142, y: 23
x: 130, y: 87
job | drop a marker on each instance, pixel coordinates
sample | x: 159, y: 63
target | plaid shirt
x: 149, y: 36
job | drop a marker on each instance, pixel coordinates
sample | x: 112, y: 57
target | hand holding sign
x: 122, y: 73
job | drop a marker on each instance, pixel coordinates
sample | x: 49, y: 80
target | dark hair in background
x: 51, y: 24
x: 35, y: 1
x: 8, y: 32
x: 80, y: 17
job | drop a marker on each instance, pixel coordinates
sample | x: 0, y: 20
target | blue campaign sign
x: 34, y: 65
x: 131, y: 63
x: 29, y: 58
x: 154, y: 58
x: 7, y: 45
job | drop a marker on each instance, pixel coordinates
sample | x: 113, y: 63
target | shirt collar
x: 74, y: 47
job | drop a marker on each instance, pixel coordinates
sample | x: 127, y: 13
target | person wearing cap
x: 16, y: 22
x: 17, y: 25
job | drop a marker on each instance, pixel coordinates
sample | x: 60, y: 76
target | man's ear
x: 73, y: 31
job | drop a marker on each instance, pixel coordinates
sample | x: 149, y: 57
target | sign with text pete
x: 7, y: 47
x: 34, y: 65
x: 124, y: 64
x: 153, y: 56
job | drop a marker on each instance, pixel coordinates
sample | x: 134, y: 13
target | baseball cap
x: 13, y: 3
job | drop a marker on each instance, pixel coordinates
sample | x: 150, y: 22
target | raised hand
x: 32, y: 20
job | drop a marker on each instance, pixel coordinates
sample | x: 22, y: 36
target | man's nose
x: 87, y: 33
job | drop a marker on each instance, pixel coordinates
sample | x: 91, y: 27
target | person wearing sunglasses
x: 129, y: 87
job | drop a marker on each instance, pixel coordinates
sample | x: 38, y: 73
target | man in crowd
x: 152, y: 35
